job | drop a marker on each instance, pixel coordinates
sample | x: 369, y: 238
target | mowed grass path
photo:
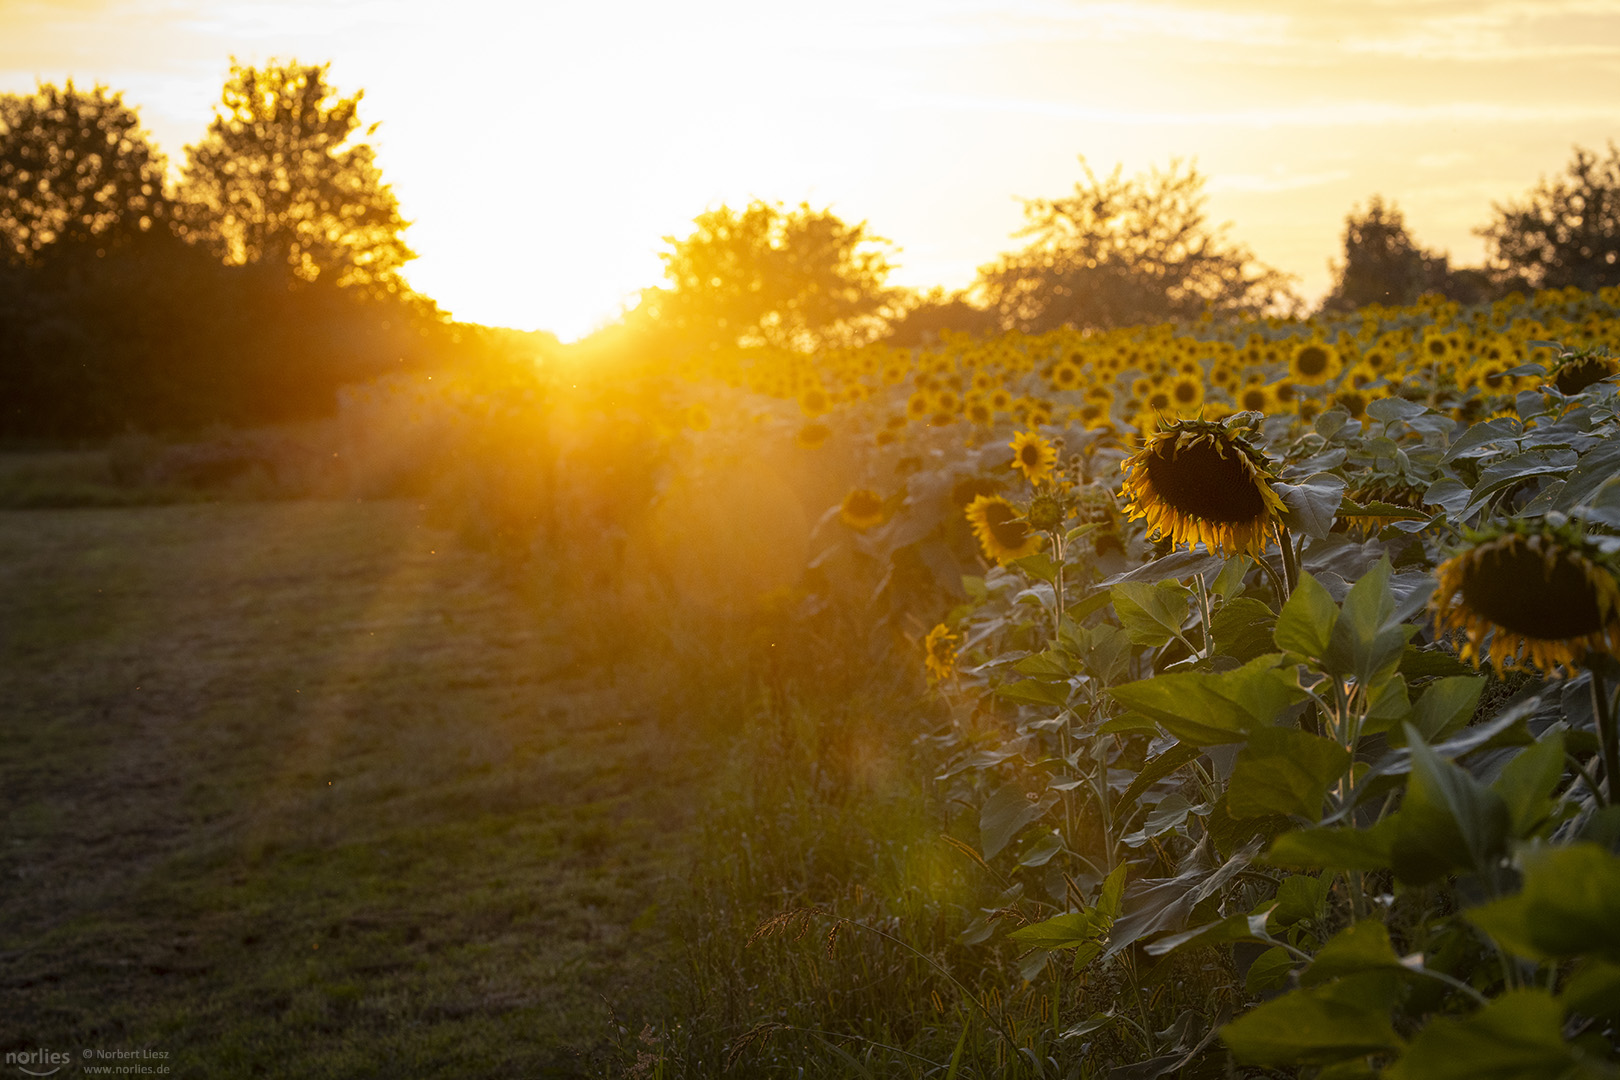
x: 306, y: 789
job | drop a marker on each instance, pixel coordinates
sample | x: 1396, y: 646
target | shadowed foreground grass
x: 298, y: 789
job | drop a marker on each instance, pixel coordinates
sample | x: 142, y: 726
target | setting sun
x: 542, y: 152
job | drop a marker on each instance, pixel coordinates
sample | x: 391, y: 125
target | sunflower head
x: 1033, y: 456
x: 939, y: 652
x: 812, y: 435
x: 1579, y: 370
x: 863, y: 509
x: 1002, y: 532
x: 1530, y: 595
x: 1046, y: 512
x: 1313, y: 363
x: 1196, y: 480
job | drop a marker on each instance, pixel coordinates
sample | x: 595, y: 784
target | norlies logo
x: 40, y: 1062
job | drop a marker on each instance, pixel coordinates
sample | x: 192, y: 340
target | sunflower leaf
x: 1284, y: 770
x: 1152, y: 614
x: 1310, y: 505
x: 1209, y: 709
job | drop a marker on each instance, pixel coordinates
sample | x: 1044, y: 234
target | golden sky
x: 543, y: 149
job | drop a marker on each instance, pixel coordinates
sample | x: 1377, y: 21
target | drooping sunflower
x: 1002, y: 533
x: 1033, y: 456
x: 939, y: 652
x: 1195, y: 480
x: 1580, y: 370
x: 1530, y: 594
x: 863, y: 509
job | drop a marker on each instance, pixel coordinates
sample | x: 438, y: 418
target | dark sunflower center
x: 1200, y: 482
x: 1005, y: 526
x: 1573, y: 378
x: 1254, y: 400
x: 1513, y: 587
x: 864, y: 504
x: 1030, y: 455
x: 1312, y: 360
x: 1437, y: 347
x: 1186, y: 392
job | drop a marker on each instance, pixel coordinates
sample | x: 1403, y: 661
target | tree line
x: 1117, y: 251
x: 246, y: 291
x: 266, y: 272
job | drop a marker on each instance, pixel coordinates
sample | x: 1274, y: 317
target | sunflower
x: 1187, y: 392
x: 1581, y: 370
x: 862, y: 509
x: 1543, y: 595
x: 812, y: 435
x: 1255, y: 399
x: 1195, y: 480
x: 1004, y: 535
x: 814, y: 401
x: 939, y: 652
x: 1313, y: 363
x: 1033, y: 456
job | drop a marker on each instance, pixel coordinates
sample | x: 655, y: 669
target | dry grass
x: 301, y: 789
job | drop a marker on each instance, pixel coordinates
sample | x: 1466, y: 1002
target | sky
x: 543, y: 152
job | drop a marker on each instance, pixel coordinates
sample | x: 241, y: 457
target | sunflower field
x: 1262, y: 674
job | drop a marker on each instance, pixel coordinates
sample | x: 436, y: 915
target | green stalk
x: 1607, y: 742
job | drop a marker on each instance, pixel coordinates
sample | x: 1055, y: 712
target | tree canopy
x: 1566, y: 231
x: 797, y: 279
x: 1382, y: 263
x: 281, y: 178
x: 75, y: 169
x: 1120, y: 252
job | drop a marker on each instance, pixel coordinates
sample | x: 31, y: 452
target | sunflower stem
x: 1607, y: 743
x: 1290, y: 559
x: 1204, y: 616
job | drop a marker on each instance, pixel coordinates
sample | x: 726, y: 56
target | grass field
x: 305, y: 789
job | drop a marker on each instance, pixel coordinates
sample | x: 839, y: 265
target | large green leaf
x: 1569, y: 906
x: 1449, y: 821
x: 1035, y: 692
x: 1336, y: 849
x: 1061, y: 932
x: 1356, y: 949
x: 1302, y: 897
x: 1320, y: 1026
x: 1310, y: 505
x: 1506, y: 472
x: 1243, y: 629
x: 1003, y: 815
x: 1152, y: 614
x: 1528, y: 781
x: 1368, y: 635
x: 1519, y: 1035
x: 1232, y: 928
x: 1593, y: 990
x: 1446, y: 706
x: 1209, y: 709
x: 1284, y: 770
x: 1305, y: 626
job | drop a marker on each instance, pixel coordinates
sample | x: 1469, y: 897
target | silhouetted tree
x: 1121, y: 252
x: 75, y: 169
x: 926, y: 317
x: 280, y: 178
x: 1382, y: 264
x: 797, y: 279
x: 1566, y: 231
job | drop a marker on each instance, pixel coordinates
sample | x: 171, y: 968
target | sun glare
x: 542, y: 153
